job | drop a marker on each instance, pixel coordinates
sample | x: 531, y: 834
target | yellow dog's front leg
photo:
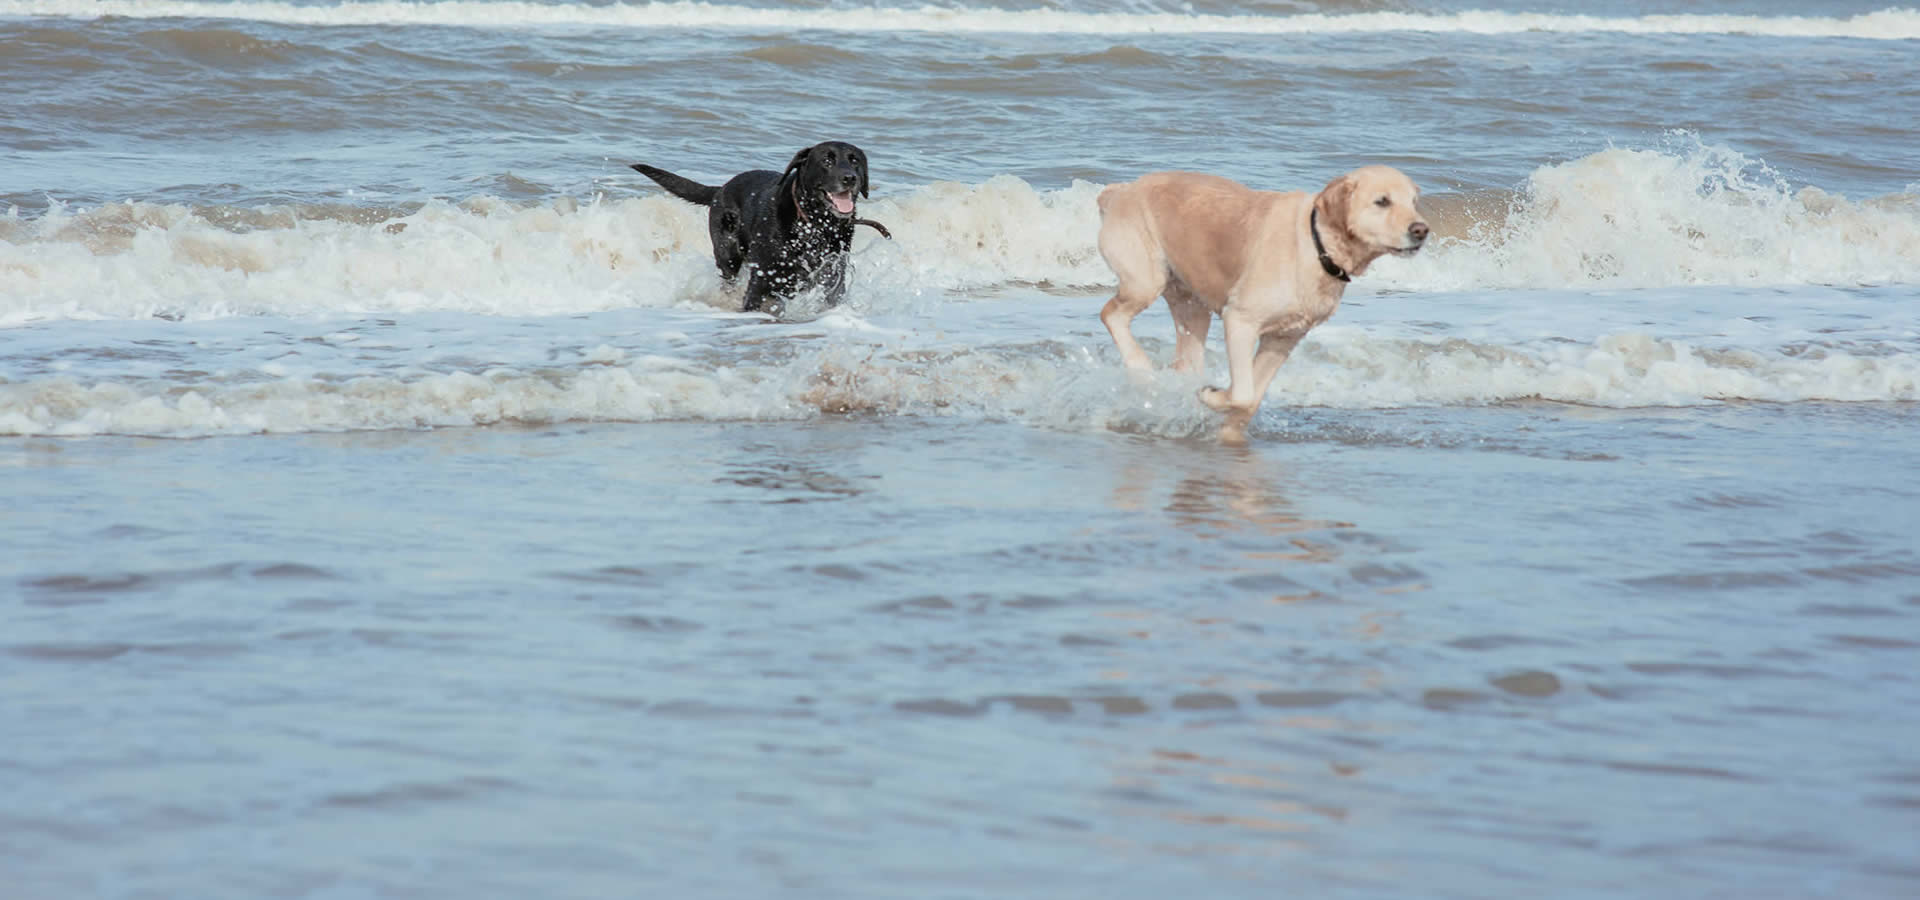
x: 1252, y: 361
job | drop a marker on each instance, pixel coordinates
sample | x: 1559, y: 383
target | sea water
x: 395, y: 503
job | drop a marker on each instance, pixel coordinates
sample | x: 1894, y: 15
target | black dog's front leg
x: 729, y: 254
x: 758, y: 289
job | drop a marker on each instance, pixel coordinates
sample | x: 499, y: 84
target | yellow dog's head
x: 1371, y: 211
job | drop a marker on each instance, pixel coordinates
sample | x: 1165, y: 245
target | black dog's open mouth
x: 841, y: 201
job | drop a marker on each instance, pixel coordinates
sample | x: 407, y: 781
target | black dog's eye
x: 1383, y: 202
x: 830, y: 156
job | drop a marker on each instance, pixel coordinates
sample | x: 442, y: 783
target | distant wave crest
x: 1889, y: 24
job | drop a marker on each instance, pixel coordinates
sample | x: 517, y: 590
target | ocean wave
x: 1617, y: 219
x: 1889, y: 24
x: 486, y: 255
x: 221, y: 47
x: 1689, y: 214
x: 143, y: 260
x: 1050, y: 383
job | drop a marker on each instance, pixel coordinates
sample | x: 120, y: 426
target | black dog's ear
x: 799, y: 159
x: 863, y: 180
x: 787, y: 204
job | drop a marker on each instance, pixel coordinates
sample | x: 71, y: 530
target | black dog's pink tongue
x: 842, y: 201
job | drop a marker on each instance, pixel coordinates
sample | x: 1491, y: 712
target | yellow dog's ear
x: 1333, y: 202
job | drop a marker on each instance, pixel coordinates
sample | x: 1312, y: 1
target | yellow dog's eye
x: 1383, y: 202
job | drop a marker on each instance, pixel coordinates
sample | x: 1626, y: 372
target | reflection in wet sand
x: 1236, y: 502
x: 1231, y: 493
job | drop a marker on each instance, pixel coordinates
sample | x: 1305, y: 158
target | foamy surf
x: 137, y: 260
x: 485, y: 255
x: 1698, y: 215
x: 1616, y: 219
x: 1061, y: 384
x: 1889, y: 24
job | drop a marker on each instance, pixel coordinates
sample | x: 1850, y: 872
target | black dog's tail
x: 686, y: 189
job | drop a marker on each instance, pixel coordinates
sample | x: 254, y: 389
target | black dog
x: 794, y: 227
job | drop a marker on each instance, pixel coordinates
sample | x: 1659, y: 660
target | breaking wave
x: 1616, y: 219
x: 1059, y: 384
x: 1699, y: 215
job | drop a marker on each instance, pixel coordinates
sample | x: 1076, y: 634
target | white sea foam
x: 1626, y: 369
x: 1052, y: 384
x: 1689, y: 214
x: 1694, y: 215
x: 1617, y: 219
x: 958, y: 236
x: 1889, y: 24
x: 137, y: 260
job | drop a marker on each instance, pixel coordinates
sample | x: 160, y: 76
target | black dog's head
x: 823, y: 177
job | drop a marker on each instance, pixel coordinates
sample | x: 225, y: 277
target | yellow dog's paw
x: 1215, y: 399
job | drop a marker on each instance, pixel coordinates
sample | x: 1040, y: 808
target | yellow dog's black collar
x: 1326, y: 262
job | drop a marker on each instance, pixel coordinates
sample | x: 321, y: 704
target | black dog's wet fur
x: 781, y: 223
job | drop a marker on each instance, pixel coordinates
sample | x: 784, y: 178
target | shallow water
x: 848, y: 655
x: 394, y: 504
